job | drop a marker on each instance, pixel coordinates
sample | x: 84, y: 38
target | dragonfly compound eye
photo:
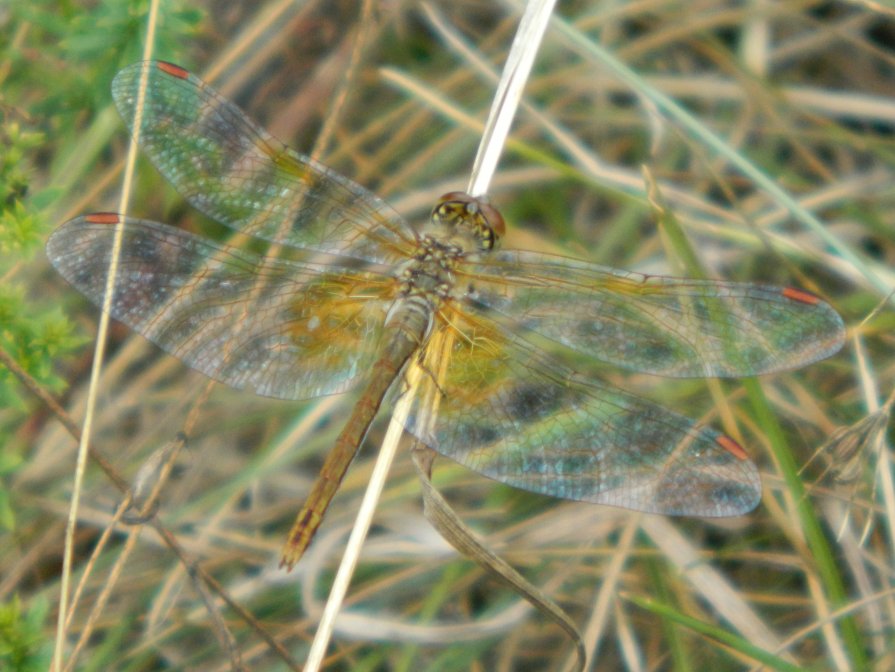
x: 484, y: 219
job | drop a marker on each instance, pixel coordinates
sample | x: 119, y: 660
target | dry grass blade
x: 506, y: 99
x: 445, y: 520
x: 98, y: 361
x: 514, y: 76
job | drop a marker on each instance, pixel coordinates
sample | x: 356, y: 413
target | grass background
x: 802, y: 90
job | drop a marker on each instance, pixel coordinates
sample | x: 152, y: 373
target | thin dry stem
x: 98, y: 357
x: 362, y: 523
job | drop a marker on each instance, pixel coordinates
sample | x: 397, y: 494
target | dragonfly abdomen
x: 406, y: 329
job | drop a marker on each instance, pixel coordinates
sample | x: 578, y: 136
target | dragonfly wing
x: 276, y: 327
x: 505, y: 412
x: 661, y: 325
x: 237, y: 173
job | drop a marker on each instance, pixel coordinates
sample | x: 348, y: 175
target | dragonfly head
x: 470, y: 218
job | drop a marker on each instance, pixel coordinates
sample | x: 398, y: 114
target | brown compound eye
x: 493, y: 217
x: 456, y: 197
x: 447, y: 205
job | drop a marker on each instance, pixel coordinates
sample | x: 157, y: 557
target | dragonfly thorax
x: 460, y: 225
x: 427, y: 281
x: 430, y: 274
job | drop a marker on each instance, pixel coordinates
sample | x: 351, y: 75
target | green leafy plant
x: 24, y: 646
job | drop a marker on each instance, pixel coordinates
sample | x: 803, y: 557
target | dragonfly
x: 343, y: 292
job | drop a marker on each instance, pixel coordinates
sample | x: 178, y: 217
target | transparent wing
x: 666, y: 326
x: 240, y: 175
x: 507, y: 413
x: 276, y: 327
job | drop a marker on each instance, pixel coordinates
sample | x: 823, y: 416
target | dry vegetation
x: 802, y: 90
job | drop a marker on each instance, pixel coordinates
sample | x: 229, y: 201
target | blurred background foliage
x: 803, y: 90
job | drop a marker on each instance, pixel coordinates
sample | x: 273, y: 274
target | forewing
x: 505, y: 412
x: 275, y: 327
x: 666, y: 326
x: 239, y: 174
